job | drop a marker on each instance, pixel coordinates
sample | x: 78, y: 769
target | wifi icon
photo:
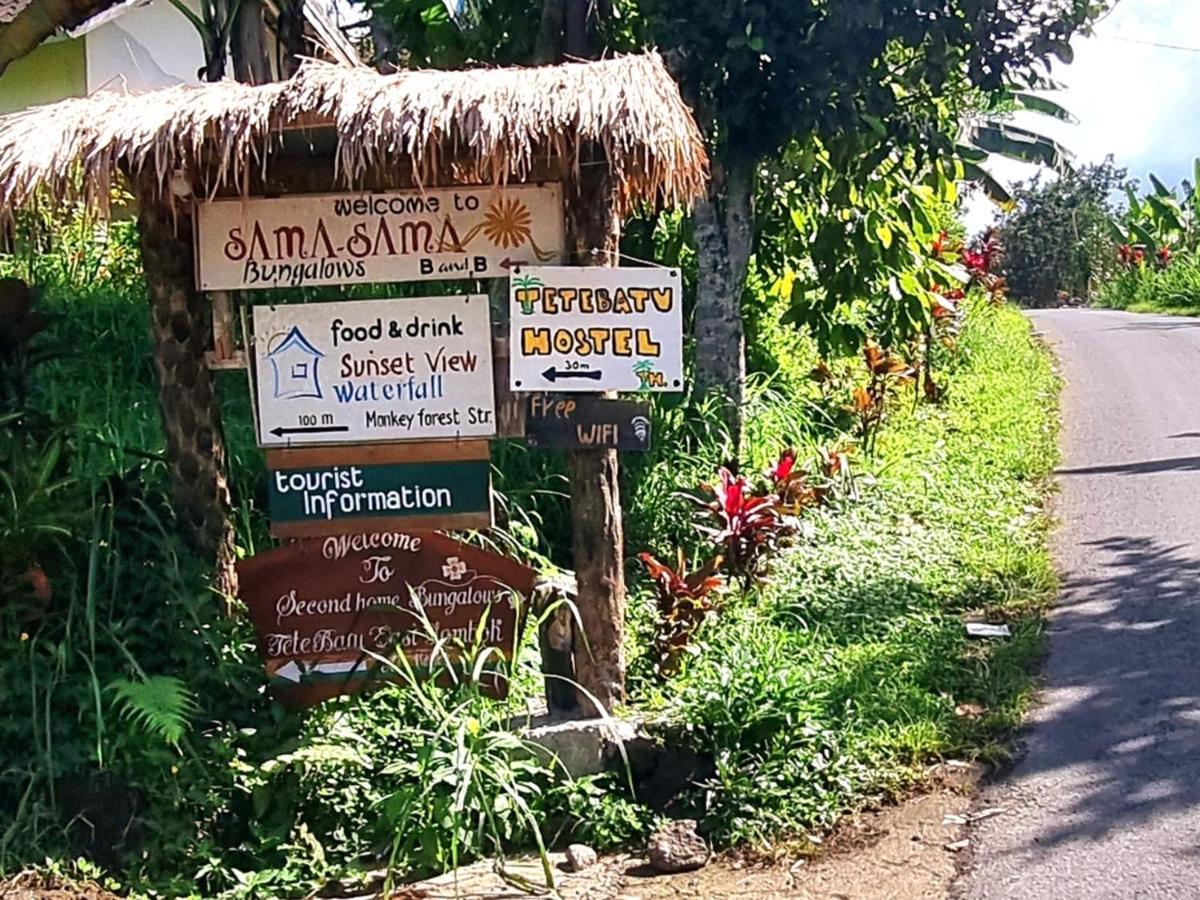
x: 641, y: 427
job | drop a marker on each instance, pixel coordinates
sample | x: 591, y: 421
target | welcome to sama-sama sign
x: 417, y: 235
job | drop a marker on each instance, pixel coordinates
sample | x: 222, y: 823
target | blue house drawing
x: 294, y: 361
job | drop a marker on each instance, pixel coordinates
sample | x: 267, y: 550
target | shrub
x: 1057, y: 240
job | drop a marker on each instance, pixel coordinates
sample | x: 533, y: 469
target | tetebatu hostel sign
x: 324, y: 608
x: 595, y: 329
x: 573, y: 422
x: 374, y: 370
x: 318, y: 491
x: 414, y: 235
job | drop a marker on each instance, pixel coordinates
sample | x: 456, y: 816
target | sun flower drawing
x: 508, y: 224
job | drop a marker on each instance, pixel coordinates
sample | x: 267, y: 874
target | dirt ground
x: 902, y: 852
x: 910, y: 851
x: 30, y: 885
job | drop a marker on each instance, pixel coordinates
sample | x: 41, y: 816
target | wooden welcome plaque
x: 325, y: 610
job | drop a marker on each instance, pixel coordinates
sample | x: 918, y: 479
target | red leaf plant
x: 685, y: 601
x: 748, y: 524
x: 793, y: 486
x: 940, y: 244
x: 979, y: 260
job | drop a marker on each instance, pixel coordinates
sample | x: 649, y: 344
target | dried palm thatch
x: 492, y: 123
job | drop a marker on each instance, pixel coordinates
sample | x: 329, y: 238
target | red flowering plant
x: 792, y: 485
x: 1132, y: 256
x: 980, y: 259
x: 748, y: 524
x: 685, y: 600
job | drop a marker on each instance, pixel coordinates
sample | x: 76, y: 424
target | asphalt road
x: 1105, y: 800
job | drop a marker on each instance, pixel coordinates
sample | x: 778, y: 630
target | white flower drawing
x: 454, y: 569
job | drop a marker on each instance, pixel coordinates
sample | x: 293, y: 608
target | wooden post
x: 191, y: 418
x: 597, y: 533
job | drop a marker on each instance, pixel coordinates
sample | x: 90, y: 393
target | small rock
x: 580, y: 857
x: 676, y: 847
x: 958, y: 845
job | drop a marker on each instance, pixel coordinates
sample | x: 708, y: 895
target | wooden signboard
x: 417, y: 235
x: 358, y: 371
x: 316, y: 491
x: 578, y: 422
x: 321, y: 607
x: 595, y: 329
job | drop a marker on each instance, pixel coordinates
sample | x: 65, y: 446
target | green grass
x: 1173, y: 290
x: 841, y: 681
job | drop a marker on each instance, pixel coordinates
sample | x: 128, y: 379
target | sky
x: 1141, y: 103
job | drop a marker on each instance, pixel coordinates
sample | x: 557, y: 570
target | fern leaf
x: 160, y: 705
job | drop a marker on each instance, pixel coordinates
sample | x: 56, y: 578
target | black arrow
x: 280, y: 431
x: 552, y: 374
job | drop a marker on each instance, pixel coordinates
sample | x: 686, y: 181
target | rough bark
x: 191, y: 420
x: 248, y: 44
x: 577, y: 44
x: 383, y: 40
x: 40, y: 20
x: 724, y: 228
x: 598, y: 539
x: 291, y: 37
x: 553, y: 22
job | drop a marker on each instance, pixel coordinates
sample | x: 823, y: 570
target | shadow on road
x: 1141, y: 467
x: 1125, y: 709
x: 1173, y: 324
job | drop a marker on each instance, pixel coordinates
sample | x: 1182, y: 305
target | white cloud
x: 1133, y: 100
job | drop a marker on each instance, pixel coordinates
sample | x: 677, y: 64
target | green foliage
x: 160, y: 705
x: 849, y: 246
x: 841, y: 678
x: 1057, y: 240
x: 1174, y: 288
x: 764, y: 73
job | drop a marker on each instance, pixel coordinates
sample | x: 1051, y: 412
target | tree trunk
x: 248, y: 44
x: 383, y: 40
x: 40, y: 20
x: 577, y: 44
x: 549, y: 45
x: 724, y: 227
x: 291, y: 37
x: 191, y: 420
x: 598, y: 540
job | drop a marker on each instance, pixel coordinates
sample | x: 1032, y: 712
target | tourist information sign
x: 374, y: 370
x: 415, y: 235
x: 595, y: 329
x: 317, y: 491
x: 325, y: 609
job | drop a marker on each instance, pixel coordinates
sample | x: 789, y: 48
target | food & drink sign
x: 595, y: 329
x: 374, y: 370
x: 415, y: 235
x: 325, y: 609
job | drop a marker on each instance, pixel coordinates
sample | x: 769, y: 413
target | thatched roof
x: 494, y: 124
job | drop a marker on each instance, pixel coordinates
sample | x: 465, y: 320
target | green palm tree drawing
x: 644, y: 369
x: 525, y: 292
